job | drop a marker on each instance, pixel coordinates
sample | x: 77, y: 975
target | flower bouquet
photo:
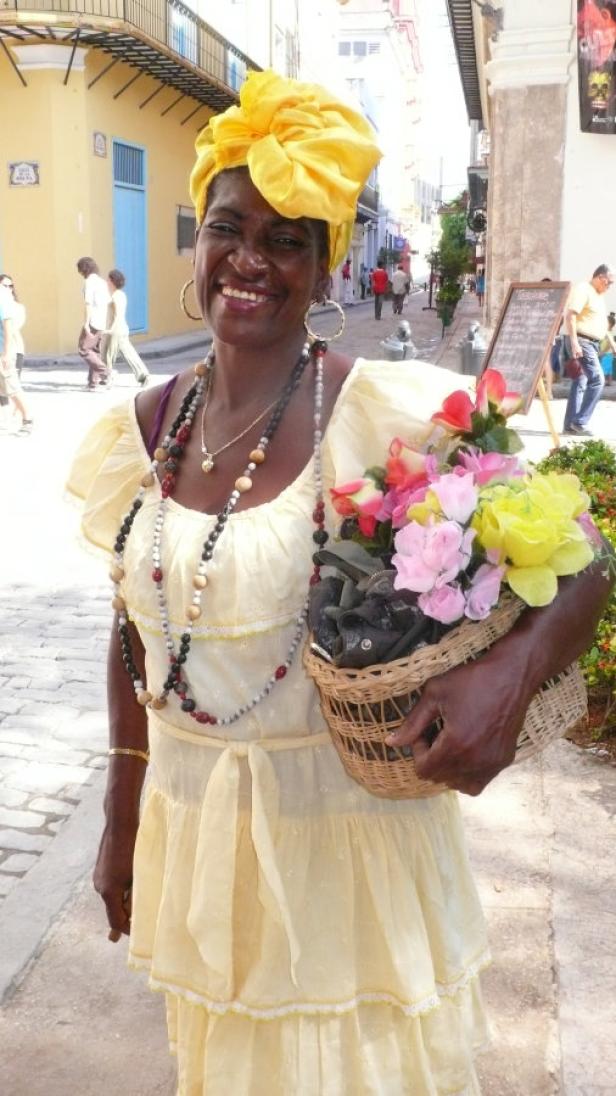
x: 439, y: 552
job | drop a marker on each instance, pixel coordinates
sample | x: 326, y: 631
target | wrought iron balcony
x: 368, y: 204
x: 162, y: 38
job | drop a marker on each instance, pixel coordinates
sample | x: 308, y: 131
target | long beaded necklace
x: 169, y: 454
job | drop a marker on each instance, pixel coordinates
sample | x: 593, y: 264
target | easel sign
x: 523, y: 339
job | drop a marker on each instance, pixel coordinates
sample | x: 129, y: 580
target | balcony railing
x: 369, y: 198
x: 131, y: 30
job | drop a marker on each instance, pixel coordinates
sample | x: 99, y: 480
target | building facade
x: 101, y: 108
x: 550, y: 179
x: 379, y: 58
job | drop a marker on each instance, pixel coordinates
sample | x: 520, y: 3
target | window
x: 359, y: 49
x: 127, y: 164
x: 344, y: 49
x: 186, y: 225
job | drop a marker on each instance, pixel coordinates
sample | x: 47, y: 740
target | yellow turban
x: 307, y: 153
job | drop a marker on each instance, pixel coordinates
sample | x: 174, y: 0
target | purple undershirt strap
x: 160, y: 414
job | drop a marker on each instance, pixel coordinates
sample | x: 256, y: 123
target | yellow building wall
x: 45, y: 229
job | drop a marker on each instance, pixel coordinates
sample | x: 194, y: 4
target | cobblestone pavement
x: 54, y: 624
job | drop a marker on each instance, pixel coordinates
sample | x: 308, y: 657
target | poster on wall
x: 596, y: 36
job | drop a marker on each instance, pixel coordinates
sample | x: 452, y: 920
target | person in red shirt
x: 380, y: 281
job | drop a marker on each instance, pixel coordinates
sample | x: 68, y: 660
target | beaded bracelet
x: 129, y: 752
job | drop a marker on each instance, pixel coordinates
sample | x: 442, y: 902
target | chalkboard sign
x: 526, y: 329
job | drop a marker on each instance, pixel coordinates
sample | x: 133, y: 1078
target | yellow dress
x: 311, y: 940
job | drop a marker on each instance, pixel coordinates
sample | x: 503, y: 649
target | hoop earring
x: 324, y: 338
x: 183, y: 292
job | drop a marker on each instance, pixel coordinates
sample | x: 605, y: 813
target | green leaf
x: 377, y: 474
x: 350, y: 558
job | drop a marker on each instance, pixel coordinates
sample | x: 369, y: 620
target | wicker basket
x: 361, y: 707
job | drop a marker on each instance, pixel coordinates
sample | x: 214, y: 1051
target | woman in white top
x: 118, y: 331
x: 12, y: 319
x: 18, y: 317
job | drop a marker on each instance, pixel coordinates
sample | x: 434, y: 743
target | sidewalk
x: 150, y: 350
x: 74, y: 1020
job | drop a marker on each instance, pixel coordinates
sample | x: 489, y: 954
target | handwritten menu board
x: 526, y: 328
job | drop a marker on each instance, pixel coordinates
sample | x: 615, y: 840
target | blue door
x: 130, y: 229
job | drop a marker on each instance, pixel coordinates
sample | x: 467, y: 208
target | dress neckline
x: 295, y: 484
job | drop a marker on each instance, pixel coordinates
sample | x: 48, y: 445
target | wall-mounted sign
x: 596, y: 31
x: 399, y: 242
x: 24, y: 173
x: 99, y: 142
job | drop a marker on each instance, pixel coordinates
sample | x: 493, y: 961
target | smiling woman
x: 310, y: 939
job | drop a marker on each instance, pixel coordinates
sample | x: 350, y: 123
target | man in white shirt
x: 399, y: 288
x: 96, y: 302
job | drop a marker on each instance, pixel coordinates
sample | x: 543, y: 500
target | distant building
x: 99, y: 118
x: 379, y: 56
x: 541, y: 89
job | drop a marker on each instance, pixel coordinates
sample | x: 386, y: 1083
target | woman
x: 309, y: 938
x: 117, y: 332
x: 19, y: 319
x: 11, y: 321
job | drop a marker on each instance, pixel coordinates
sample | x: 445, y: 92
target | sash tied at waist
x: 210, y: 914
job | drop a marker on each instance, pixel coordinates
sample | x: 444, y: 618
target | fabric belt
x: 210, y: 914
x: 589, y: 338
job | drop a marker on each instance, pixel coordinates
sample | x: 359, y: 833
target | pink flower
x: 359, y: 498
x: 484, y: 591
x: 429, y: 557
x: 457, y: 495
x: 490, y: 466
x: 593, y: 536
x: 455, y: 414
x: 445, y: 604
x: 405, y: 466
x: 492, y: 392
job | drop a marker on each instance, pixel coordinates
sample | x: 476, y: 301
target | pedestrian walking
x: 18, y: 321
x: 11, y: 391
x: 347, y: 283
x: 117, y: 333
x: 363, y: 282
x: 96, y: 302
x: 370, y: 273
x: 480, y: 287
x: 306, y: 934
x: 380, y: 281
x: 585, y: 327
x: 399, y: 288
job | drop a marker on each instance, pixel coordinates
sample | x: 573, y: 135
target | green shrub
x: 595, y: 464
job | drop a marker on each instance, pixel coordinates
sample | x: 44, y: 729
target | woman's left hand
x: 482, y: 709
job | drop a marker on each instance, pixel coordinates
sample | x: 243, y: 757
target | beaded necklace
x: 169, y: 454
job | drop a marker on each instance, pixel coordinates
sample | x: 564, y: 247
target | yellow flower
x: 423, y: 512
x: 531, y: 524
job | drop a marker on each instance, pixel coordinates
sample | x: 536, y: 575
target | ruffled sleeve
x: 106, y: 473
x: 381, y: 401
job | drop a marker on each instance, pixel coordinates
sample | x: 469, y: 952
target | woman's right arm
x: 113, y: 873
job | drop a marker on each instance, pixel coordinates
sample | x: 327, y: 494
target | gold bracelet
x: 129, y: 752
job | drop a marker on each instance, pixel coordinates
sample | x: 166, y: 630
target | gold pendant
x: 207, y: 463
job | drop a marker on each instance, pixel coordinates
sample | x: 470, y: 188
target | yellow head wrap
x: 307, y: 153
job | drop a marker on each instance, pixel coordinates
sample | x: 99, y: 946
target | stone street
x: 550, y: 879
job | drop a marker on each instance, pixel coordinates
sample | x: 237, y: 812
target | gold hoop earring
x: 324, y: 338
x: 183, y: 292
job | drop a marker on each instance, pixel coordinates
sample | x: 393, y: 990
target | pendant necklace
x: 209, y: 456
